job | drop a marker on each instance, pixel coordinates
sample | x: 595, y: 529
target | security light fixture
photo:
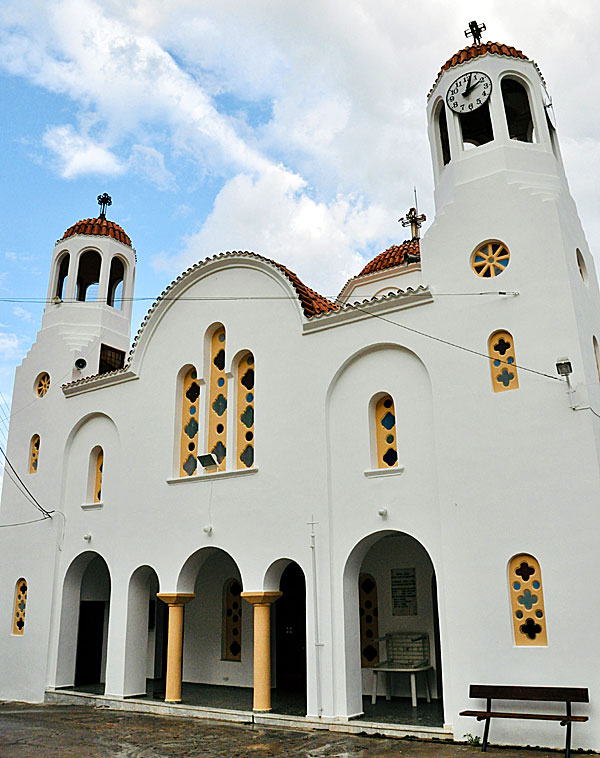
x: 80, y: 364
x: 207, y: 460
x: 564, y: 367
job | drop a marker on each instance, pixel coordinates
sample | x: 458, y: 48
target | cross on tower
x: 104, y: 201
x: 474, y: 31
x: 414, y: 221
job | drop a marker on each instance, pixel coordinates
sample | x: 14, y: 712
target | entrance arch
x: 144, y: 635
x: 389, y: 587
x: 84, y: 623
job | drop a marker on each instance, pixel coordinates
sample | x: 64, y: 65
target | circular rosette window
x: 42, y: 384
x: 490, y: 259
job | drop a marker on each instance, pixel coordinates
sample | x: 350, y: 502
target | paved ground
x: 66, y: 731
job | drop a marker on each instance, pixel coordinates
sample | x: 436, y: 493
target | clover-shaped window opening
x: 369, y: 620
x: 231, y: 639
x: 190, y: 420
x: 42, y: 384
x: 20, y: 607
x: 384, y: 420
x: 503, y: 361
x: 244, y: 412
x: 527, y: 601
x: 217, y: 396
x: 490, y: 259
x: 34, y: 453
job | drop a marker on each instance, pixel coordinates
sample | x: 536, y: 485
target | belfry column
x: 175, y: 642
x: 262, y: 646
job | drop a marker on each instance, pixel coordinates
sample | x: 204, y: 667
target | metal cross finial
x: 104, y: 201
x: 413, y: 220
x: 474, y: 31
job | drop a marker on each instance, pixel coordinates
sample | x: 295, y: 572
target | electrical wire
x: 25, y: 487
x: 23, y: 523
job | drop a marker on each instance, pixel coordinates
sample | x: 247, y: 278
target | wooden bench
x: 405, y: 653
x: 566, y: 695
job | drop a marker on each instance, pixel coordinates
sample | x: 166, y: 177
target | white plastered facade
x: 482, y: 475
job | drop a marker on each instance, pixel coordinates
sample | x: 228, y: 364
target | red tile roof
x: 393, y: 256
x: 99, y: 227
x: 312, y: 303
x: 475, y: 51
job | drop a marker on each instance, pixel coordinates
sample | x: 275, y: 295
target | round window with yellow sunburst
x: 42, y: 384
x: 490, y: 259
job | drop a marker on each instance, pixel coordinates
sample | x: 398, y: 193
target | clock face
x: 469, y: 92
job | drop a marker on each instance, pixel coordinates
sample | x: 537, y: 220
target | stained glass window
x: 369, y: 622
x: 99, y: 466
x: 34, y: 453
x: 217, y: 410
x: 490, y: 259
x: 42, y: 384
x: 19, y: 610
x: 232, y: 621
x: 527, y: 601
x: 503, y: 362
x: 190, y: 406
x: 385, y: 426
x: 245, y: 411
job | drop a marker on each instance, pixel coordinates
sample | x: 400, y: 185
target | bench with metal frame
x: 566, y: 695
x: 406, y: 653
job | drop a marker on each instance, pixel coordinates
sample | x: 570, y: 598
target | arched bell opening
x: 517, y: 110
x: 62, y: 270
x: 392, y: 647
x: 83, y: 632
x: 145, y: 636
x: 442, y: 136
x: 88, y: 276
x: 115, y: 283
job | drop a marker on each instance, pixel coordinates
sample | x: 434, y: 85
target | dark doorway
x: 290, y: 630
x: 90, y: 638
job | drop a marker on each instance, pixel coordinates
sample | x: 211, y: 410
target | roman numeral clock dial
x: 469, y: 92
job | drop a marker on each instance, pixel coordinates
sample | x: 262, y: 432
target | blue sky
x: 294, y: 129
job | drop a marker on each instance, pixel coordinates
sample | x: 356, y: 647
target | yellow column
x: 262, y: 646
x: 175, y: 642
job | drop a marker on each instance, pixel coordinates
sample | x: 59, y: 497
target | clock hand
x: 466, y: 92
x: 471, y: 88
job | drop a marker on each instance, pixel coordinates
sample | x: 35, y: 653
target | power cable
x: 25, y: 487
x: 22, y: 523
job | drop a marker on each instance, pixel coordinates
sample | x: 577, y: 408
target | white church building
x: 247, y: 501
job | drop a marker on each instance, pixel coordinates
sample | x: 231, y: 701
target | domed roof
x: 393, y: 256
x: 98, y: 227
x: 475, y: 51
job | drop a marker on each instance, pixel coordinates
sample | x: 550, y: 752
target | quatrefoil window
x: 527, y: 606
x: 490, y: 259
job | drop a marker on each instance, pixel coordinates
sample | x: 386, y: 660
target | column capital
x: 261, y: 598
x: 176, y: 598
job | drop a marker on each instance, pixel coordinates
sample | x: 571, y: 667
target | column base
x: 262, y: 710
x: 172, y: 701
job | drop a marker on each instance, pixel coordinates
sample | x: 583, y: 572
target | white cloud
x: 150, y: 163
x: 77, y: 154
x: 21, y: 313
x: 9, y: 346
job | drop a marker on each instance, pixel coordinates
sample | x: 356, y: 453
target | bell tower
x: 90, y: 292
x: 506, y: 224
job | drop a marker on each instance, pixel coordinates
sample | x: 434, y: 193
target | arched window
x: 217, y: 411
x: 527, y: 601
x: 34, y: 453
x: 115, y: 283
x: 245, y: 411
x: 232, y: 621
x: 189, y: 422
x: 63, y: 273
x: 385, y: 432
x: 19, y: 607
x: 503, y: 362
x: 442, y: 127
x: 517, y: 110
x: 369, y: 620
x: 88, y: 276
x: 581, y: 265
x: 476, y: 126
x: 95, y: 475
x: 596, y: 355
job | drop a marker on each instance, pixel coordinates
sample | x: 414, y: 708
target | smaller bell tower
x: 90, y: 291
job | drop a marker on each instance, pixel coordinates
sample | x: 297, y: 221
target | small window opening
x: 88, y: 276
x: 231, y: 638
x: 20, y: 607
x: 596, y: 355
x: 34, y: 453
x: 443, y: 132
x: 115, y: 283
x: 111, y: 359
x: 476, y: 126
x: 517, y: 110
x: 63, y: 273
x: 581, y: 265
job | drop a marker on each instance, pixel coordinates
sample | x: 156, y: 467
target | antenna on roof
x: 474, y: 31
x: 413, y: 219
x: 104, y: 201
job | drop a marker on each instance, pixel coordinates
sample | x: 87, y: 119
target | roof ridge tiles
x: 98, y: 227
